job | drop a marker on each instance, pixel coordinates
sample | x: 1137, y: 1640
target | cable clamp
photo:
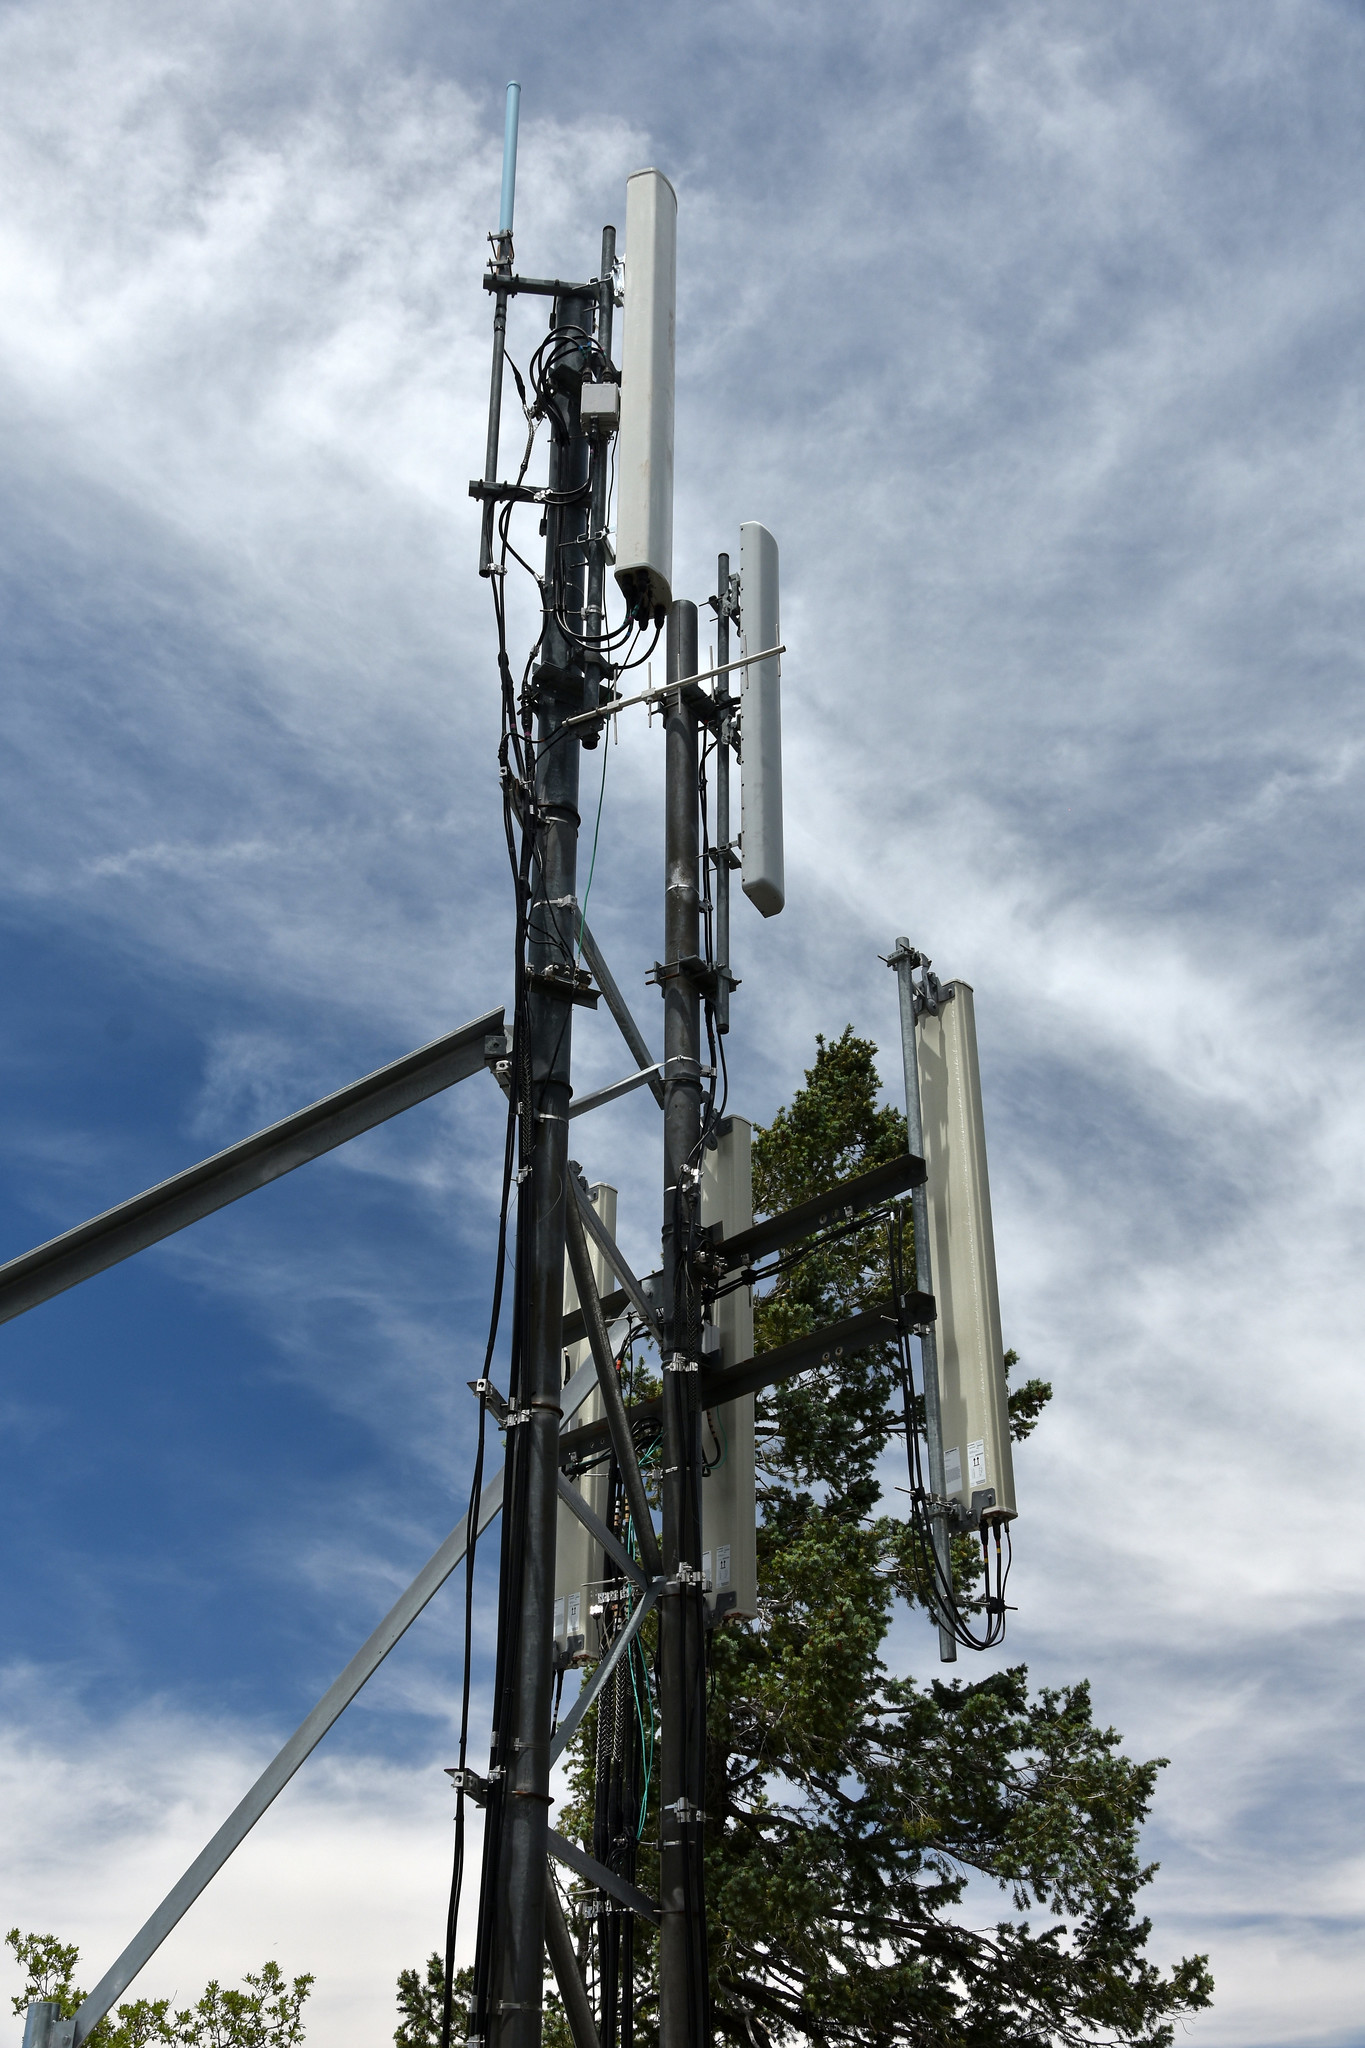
x: 569, y: 984
x: 512, y: 1418
x: 689, y: 1579
x: 685, y: 1811
x: 470, y: 1783
x: 679, y: 1362
x: 486, y: 1391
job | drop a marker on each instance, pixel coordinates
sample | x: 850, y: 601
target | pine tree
x: 847, y: 1805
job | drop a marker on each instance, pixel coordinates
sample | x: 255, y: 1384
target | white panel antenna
x: 974, y: 1400
x: 644, y: 490
x: 763, y: 873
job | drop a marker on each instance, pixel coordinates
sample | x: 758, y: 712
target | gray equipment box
x: 728, y: 1510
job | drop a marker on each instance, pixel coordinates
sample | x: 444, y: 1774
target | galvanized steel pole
x: 683, y: 1993
x: 515, y: 1866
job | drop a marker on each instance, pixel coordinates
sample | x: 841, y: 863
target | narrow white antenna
x: 763, y: 874
x: 511, y: 122
x: 644, y: 490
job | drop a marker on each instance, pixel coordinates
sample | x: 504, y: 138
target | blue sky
x: 1034, y: 332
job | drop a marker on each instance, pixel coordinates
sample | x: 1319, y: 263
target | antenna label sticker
x: 976, y: 1462
x: 952, y: 1470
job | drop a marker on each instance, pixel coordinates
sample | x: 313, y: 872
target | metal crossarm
x: 821, y: 1347
x: 599, y: 1097
x: 770, y: 1368
x: 102, y: 1242
x: 839, y: 1205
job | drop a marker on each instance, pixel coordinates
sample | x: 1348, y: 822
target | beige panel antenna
x: 971, y: 1362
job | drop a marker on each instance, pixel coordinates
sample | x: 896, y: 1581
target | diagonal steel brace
x: 607, y: 1244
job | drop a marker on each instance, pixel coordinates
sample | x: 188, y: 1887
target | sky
x: 1034, y: 333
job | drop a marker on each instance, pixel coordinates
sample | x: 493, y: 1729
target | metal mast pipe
x: 512, y: 1909
x: 683, y: 1991
x: 903, y: 960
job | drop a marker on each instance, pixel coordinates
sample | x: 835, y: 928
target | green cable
x: 647, y: 1734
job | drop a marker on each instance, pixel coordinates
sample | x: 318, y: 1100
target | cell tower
x: 626, y: 1496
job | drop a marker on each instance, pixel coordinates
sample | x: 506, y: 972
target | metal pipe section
x: 512, y: 1905
x: 597, y: 1098
x: 903, y: 960
x: 683, y: 1987
x: 580, y: 1264
x: 511, y: 121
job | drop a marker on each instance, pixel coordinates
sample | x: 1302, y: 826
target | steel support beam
x: 600, y: 1533
x: 606, y: 1243
x: 839, y: 1204
x: 619, y: 1007
x: 573, y: 1858
x: 597, y: 1098
x: 173, y: 1204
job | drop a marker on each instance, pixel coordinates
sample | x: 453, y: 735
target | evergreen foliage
x: 267, y: 2014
